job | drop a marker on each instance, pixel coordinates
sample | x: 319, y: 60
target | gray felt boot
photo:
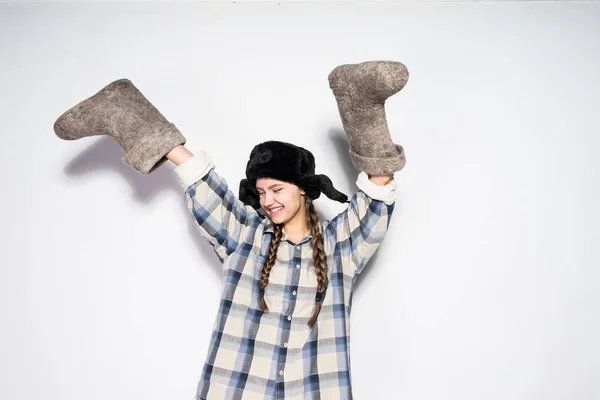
x: 120, y: 110
x: 361, y: 91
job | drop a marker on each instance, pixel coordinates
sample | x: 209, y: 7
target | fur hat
x: 289, y: 163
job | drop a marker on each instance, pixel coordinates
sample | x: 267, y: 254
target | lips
x: 275, y: 210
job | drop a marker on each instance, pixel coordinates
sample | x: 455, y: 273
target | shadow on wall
x: 340, y: 143
x: 105, y: 155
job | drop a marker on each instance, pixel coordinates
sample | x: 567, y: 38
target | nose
x: 268, y: 199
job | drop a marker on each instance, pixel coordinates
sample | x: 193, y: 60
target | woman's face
x: 281, y: 200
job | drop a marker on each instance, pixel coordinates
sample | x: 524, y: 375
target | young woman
x: 283, y: 326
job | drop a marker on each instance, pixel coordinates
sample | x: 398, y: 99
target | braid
x: 268, y: 265
x: 318, y: 257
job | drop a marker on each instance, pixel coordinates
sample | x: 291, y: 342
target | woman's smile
x: 276, y: 210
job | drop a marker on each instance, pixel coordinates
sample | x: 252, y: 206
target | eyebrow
x: 272, y: 186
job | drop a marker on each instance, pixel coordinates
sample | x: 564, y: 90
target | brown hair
x: 316, y: 244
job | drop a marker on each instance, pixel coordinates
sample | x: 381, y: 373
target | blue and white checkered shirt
x: 275, y: 355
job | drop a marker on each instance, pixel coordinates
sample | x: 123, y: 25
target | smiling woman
x: 282, y: 328
x: 288, y: 203
x: 282, y: 201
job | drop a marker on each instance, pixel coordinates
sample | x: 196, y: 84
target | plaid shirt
x: 275, y: 355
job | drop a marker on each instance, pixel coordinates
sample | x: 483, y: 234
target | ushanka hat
x: 289, y: 163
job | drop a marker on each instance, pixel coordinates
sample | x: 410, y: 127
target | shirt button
x: 281, y: 373
x: 294, y: 292
x: 289, y: 318
x: 298, y: 266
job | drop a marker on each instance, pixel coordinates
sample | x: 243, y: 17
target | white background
x: 487, y: 285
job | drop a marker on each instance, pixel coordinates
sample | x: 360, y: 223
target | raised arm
x: 361, y: 91
x: 221, y: 217
x: 361, y: 227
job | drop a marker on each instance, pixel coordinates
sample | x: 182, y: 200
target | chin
x: 279, y: 219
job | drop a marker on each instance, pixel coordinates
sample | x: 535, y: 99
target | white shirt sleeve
x: 194, y: 169
x: 385, y: 193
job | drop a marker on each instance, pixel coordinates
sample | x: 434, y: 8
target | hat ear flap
x: 248, y: 194
x: 315, y: 184
x: 312, y: 191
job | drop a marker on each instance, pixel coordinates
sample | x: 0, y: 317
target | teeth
x: 276, y: 209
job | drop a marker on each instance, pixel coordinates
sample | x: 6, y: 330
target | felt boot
x: 361, y: 91
x: 121, y: 111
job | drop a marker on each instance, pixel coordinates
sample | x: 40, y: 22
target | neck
x: 296, y: 232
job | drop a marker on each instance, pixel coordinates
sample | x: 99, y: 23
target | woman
x: 282, y: 330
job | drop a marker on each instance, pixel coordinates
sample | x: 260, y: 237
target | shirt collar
x: 270, y: 228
